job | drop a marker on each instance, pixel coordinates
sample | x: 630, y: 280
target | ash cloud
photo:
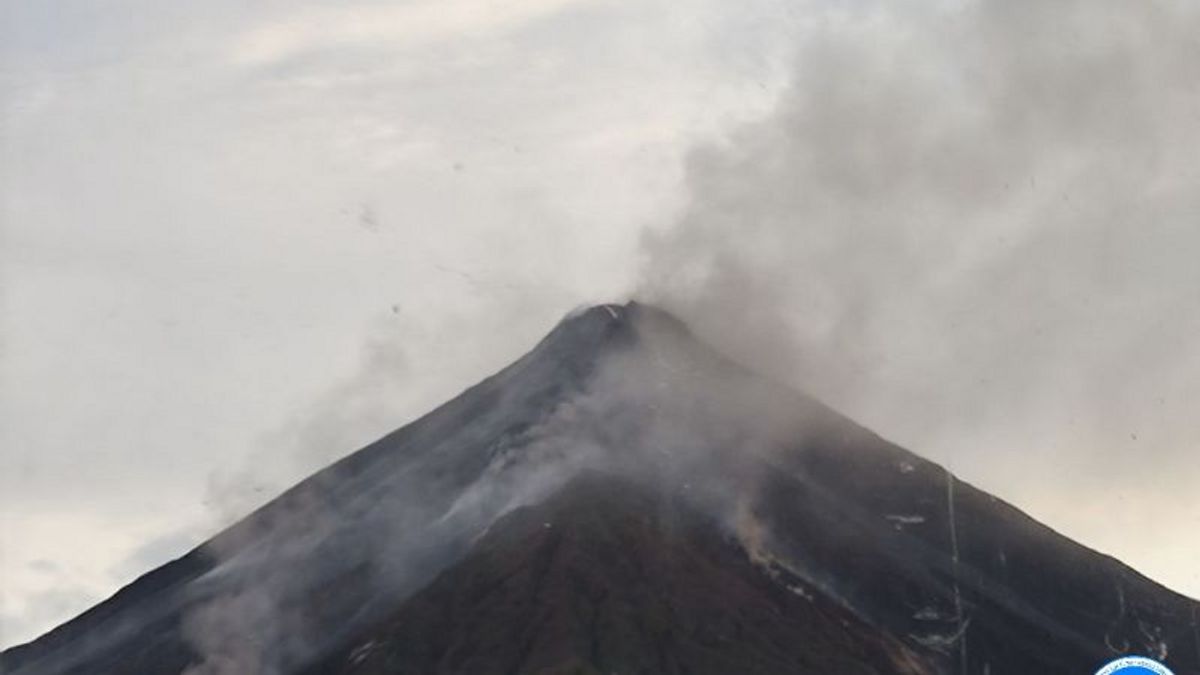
x: 971, y: 226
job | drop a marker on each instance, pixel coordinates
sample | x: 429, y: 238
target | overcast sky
x: 241, y: 239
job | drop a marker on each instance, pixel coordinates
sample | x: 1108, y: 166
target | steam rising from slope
x: 666, y: 411
x: 956, y: 215
x: 964, y: 215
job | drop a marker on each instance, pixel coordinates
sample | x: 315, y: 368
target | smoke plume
x: 963, y: 211
x: 960, y: 212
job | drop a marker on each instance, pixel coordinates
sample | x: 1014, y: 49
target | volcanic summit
x: 624, y: 499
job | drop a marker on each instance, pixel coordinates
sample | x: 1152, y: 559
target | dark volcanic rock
x: 623, y: 499
x: 609, y: 576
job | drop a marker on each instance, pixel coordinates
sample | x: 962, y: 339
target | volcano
x: 624, y: 499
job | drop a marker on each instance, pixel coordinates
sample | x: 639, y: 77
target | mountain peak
x: 625, y: 498
x: 590, y: 331
x: 633, y: 314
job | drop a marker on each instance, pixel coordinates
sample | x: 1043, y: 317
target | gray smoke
x: 662, y: 412
x: 956, y: 217
x: 972, y: 225
x: 966, y: 222
x: 362, y: 406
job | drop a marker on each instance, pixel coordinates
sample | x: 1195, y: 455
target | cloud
x: 970, y: 225
x: 362, y: 406
x: 157, y: 550
x: 210, y: 149
x: 39, y: 608
x: 407, y: 25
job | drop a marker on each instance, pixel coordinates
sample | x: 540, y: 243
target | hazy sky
x: 240, y: 239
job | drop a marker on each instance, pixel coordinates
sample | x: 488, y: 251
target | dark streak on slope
x: 644, y: 576
x: 611, y: 576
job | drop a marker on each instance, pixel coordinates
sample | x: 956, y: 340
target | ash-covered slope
x: 611, y: 575
x: 793, y: 541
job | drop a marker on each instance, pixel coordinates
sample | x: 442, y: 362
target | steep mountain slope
x: 610, y: 575
x: 720, y: 518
